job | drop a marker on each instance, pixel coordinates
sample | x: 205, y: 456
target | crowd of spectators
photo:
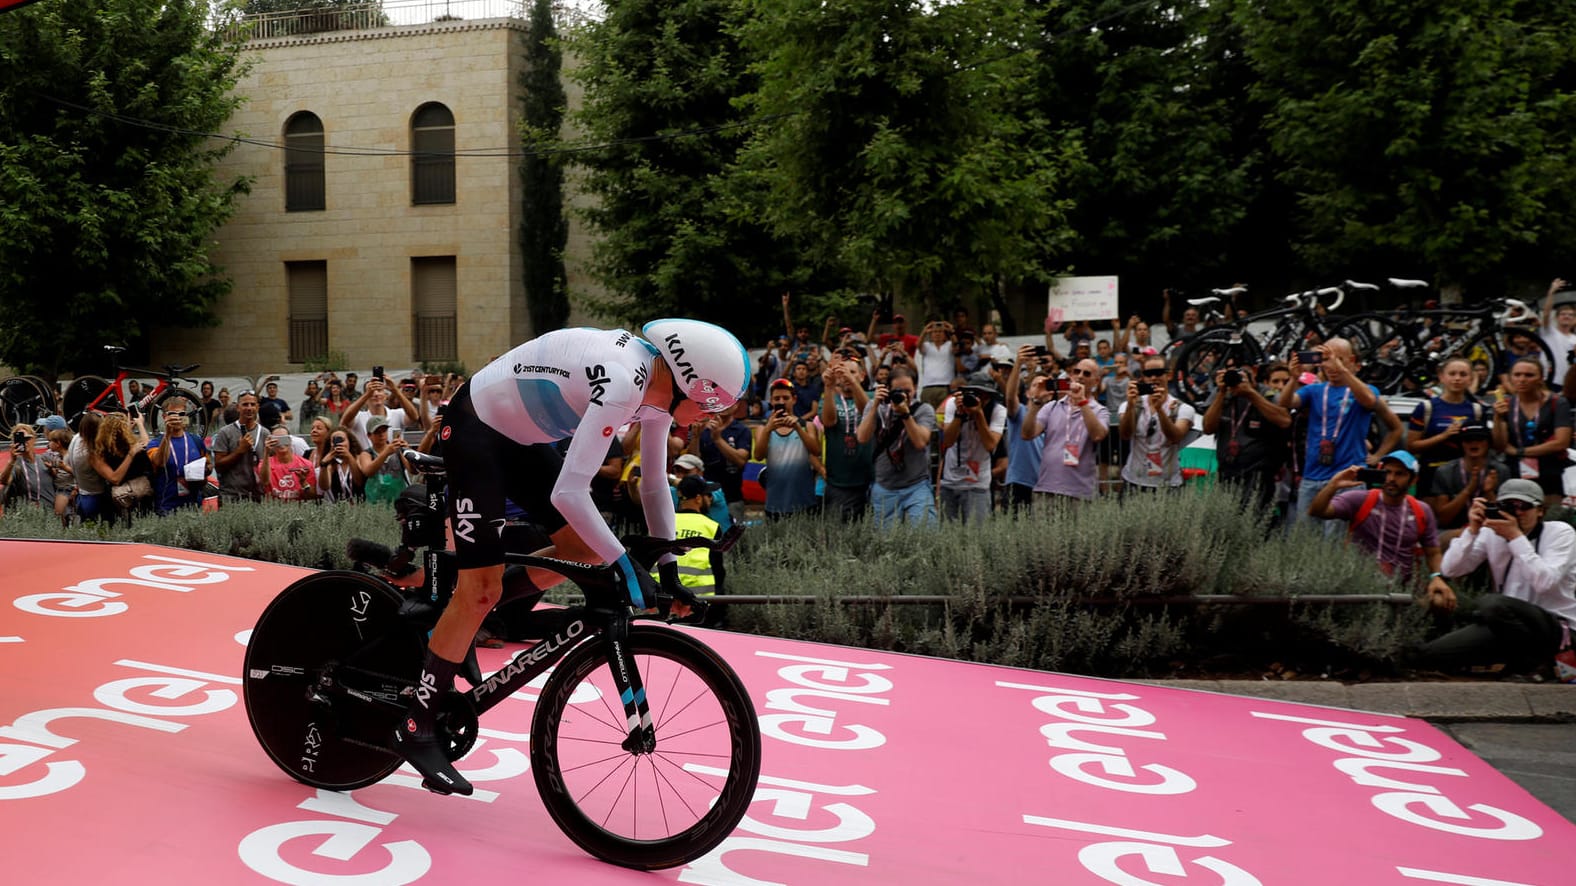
x: 951, y: 424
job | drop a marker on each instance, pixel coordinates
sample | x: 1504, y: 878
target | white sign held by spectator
x: 1083, y: 298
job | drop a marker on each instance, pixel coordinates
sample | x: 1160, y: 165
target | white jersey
x: 584, y: 384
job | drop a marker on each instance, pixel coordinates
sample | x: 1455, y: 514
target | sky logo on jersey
x: 640, y: 377
x: 597, y: 376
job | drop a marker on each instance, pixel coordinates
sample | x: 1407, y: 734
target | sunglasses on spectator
x: 1084, y: 372
x: 1155, y: 373
x: 1516, y: 507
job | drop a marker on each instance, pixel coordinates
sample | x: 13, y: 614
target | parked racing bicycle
x: 24, y: 400
x: 1402, y: 350
x: 1301, y: 322
x: 645, y: 747
x: 93, y: 393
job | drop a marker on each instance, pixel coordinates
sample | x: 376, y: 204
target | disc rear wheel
x: 325, y: 668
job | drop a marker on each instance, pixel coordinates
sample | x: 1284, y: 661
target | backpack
x: 1419, y: 513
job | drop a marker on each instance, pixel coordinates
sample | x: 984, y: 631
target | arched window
x: 432, y: 155
x: 304, y: 189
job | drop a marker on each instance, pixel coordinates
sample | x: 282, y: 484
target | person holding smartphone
x: 1385, y: 521
x: 169, y: 454
x: 791, y: 448
x: 386, y: 476
x: 282, y: 474
x: 383, y: 400
x: 342, y: 474
x: 1339, y: 411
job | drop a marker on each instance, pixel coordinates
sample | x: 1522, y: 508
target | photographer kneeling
x: 1524, y: 624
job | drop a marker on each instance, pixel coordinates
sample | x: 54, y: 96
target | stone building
x: 384, y: 216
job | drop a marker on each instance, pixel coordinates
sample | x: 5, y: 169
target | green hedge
x: 1116, y: 552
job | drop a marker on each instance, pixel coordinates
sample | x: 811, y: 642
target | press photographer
x: 1250, y: 431
x: 1528, y: 619
x: 901, y: 425
x: 972, y: 423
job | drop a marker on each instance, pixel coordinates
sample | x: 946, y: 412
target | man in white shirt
x: 1526, y: 623
x: 375, y: 400
x: 1559, y: 329
x: 972, y: 425
x: 1156, y: 423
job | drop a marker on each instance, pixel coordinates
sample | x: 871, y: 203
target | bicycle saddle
x: 114, y: 349
x: 422, y: 463
x: 1200, y: 302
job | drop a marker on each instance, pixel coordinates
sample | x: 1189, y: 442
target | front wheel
x: 647, y: 810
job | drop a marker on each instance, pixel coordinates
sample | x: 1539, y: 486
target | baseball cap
x: 375, y: 422
x: 1403, y: 458
x: 694, y: 485
x: 690, y: 462
x: 52, y: 423
x: 1474, y: 432
x: 1521, y: 490
x: 781, y: 383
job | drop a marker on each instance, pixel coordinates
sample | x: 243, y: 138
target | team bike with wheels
x: 1301, y: 322
x: 92, y: 393
x: 644, y: 743
x: 1403, y: 350
x: 24, y: 400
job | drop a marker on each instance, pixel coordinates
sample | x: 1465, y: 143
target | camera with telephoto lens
x: 1231, y: 378
x: 898, y: 398
x: 970, y: 400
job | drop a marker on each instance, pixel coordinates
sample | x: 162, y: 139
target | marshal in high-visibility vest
x: 700, y: 569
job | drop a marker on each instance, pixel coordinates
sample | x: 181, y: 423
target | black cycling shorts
x: 484, y: 468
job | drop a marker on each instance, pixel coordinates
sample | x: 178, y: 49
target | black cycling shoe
x: 425, y: 753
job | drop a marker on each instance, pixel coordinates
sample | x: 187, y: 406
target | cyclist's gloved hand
x: 636, y: 582
x: 679, y: 601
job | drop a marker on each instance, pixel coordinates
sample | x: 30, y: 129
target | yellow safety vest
x: 695, y: 565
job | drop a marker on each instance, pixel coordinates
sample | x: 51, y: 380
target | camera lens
x: 970, y: 401
x: 1231, y: 378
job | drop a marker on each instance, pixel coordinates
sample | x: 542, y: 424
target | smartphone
x: 377, y: 373
x: 1310, y: 358
x: 1371, y: 476
x: 1040, y: 351
x: 396, y: 434
x: 1064, y: 384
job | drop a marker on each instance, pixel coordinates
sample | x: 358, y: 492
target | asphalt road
x: 1540, y: 757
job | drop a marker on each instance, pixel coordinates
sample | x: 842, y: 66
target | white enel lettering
x: 85, y: 599
x: 260, y: 851
x: 1358, y: 740
x: 1510, y: 825
x: 344, y: 806
x: 34, y: 727
x: 1060, y: 735
x: 786, y: 699
x: 57, y: 776
x: 1103, y: 860
x: 800, y: 674
x: 1361, y: 772
x: 783, y: 656
x: 39, y: 604
x: 114, y: 695
x: 1457, y: 879
x: 863, y: 737
x: 793, y: 800
x: 1171, y: 781
x: 1202, y: 841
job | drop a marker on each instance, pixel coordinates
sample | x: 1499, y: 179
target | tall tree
x: 1422, y: 137
x: 660, y: 81
x: 1167, y: 175
x: 108, y: 185
x: 544, y: 229
x: 900, y: 148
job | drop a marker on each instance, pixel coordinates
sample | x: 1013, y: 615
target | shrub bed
x: 1070, y: 588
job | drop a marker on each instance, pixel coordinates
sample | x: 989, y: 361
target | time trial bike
x: 645, y: 747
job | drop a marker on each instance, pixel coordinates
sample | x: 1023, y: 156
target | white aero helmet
x: 709, y: 365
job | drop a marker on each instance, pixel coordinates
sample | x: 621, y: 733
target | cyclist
x: 497, y: 435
